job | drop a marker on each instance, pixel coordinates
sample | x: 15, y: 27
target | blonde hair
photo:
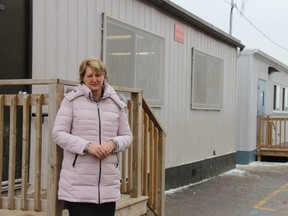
x: 95, y: 64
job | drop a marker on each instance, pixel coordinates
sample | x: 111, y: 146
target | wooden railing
x: 153, y: 161
x: 151, y: 155
x: 272, y: 136
x: 142, y: 166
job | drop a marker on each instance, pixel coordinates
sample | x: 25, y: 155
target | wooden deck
x: 136, y: 206
x: 5, y: 212
x: 272, y: 136
x: 142, y: 166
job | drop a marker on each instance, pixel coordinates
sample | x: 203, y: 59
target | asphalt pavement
x: 257, y: 189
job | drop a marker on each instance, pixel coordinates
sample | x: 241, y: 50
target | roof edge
x: 265, y: 57
x: 186, y: 16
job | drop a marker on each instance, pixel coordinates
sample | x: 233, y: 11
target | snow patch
x: 179, y: 189
x: 236, y: 171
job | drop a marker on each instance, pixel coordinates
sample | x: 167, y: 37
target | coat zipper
x: 100, y: 165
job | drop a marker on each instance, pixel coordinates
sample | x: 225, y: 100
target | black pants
x: 91, y: 209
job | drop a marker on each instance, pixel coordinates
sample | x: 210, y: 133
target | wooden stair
x: 128, y: 206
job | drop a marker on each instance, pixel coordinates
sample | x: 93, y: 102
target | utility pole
x: 231, y: 17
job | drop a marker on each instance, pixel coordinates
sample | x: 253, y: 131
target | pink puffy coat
x: 80, y: 119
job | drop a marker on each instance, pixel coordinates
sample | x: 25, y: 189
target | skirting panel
x: 245, y: 157
x: 195, y: 172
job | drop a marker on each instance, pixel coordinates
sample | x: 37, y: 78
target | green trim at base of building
x: 245, y: 157
x: 195, y: 172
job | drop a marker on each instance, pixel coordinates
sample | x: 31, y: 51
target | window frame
x: 155, y: 102
x: 285, y: 99
x: 209, y: 73
x: 277, y: 98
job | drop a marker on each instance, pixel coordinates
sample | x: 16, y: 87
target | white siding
x: 245, y: 100
x: 66, y: 31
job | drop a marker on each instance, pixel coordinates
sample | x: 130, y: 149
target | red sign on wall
x: 179, y: 33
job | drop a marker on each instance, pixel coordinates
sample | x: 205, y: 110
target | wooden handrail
x: 149, y: 112
x: 36, y: 82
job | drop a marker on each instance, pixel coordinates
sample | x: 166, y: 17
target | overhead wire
x: 254, y: 26
x: 261, y: 32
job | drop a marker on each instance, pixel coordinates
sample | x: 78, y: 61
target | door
x: 15, y: 41
x: 261, y: 97
x: 15, y: 63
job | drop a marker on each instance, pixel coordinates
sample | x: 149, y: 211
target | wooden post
x: 130, y: 106
x: 285, y: 123
x: 54, y: 206
x: 155, y: 168
x: 161, y: 175
x: 137, y: 130
x: 25, y: 152
x: 280, y: 130
x: 12, y: 152
x: 269, y: 131
x: 145, y: 155
x: 38, y: 153
x: 260, y: 138
x: 152, y: 170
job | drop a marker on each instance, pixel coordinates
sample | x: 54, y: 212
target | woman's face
x: 93, y: 81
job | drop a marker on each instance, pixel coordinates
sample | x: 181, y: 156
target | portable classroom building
x: 262, y: 89
x: 186, y: 66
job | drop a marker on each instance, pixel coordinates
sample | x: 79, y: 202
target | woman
x: 92, y: 128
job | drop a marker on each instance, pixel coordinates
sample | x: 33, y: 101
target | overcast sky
x: 262, y: 26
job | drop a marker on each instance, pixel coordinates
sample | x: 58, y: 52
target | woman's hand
x: 101, y: 151
x: 109, y: 146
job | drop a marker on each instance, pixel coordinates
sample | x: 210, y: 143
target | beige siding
x: 66, y: 31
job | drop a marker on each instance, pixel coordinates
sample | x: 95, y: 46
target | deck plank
x: 5, y: 212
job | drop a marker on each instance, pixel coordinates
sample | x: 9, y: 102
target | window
x: 135, y: 58
x: 207, y: 81
x: 284, y: 99
x: 276, y: 98
x: 280, y: 98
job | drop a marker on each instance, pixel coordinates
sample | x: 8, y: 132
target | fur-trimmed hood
x: 82, y: 89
